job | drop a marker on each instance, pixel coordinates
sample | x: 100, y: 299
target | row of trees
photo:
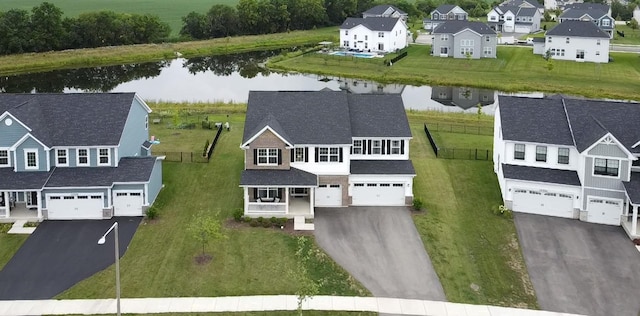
x: 45, y: 29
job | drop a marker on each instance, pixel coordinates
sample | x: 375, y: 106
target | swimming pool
x: 359, y: 55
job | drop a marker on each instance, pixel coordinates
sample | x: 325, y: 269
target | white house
x: 510, y: 19
x: 636, y: 13
x: 569, y: 158
x: 579, y: 41
x: 443, y: 13
x: 374, y: 34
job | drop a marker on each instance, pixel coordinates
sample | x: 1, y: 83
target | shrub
x: 266, y: 224
x: 502, y: 210
x: 282, y: 221
x: 238, y: 214
x: 418, y: 204
x: 152, y: 212
x: 273, y: 220
x: 246, y: 219
x: 254, y: 223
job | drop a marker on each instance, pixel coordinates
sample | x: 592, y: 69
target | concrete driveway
x: 381, y: 248
x: 581, y: 268
x: 60, y: 254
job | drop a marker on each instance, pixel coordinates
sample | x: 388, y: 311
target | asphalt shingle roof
x: 292, y: 176
x: 453, y: 27
x: 587, y: 6
x: 133, y: 169
x: 578, y: 13
x: 536, y: 174
x: 382, y: 24
x: 10, y: 180
x: 73, y: 119
x: 378, y: 115
x: 445, y: 8
x: 382, y: 167
x: 380, y: 9
x: 633, y: 188
x: 577, y: 28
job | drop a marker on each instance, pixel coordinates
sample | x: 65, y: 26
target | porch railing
x: 267, y: 208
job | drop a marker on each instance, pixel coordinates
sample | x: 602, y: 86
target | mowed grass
x: 457, y: 140
x: 515, y: 69
x: 631, y: 36
x: 250, y: 261
x: 475, y: 253
x: 169, y: 11
x: 9, y: 244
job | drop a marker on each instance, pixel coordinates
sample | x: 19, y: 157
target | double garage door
x: 543, y: 203
x: 378, y: 194
x: 604, y: 211
x: 75, y: 206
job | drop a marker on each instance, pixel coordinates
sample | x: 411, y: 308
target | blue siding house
x: 76, y: 156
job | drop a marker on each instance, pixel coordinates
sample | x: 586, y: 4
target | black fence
x: 181, y: 156
x: 395, y: 59
x: 457, y: 153
x: 459, y: 128
x: 212, y: 146
x: 431, y: 141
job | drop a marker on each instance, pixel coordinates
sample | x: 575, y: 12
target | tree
x: 547, y: 16
x: 549, y: 65
x: 14, y: 32
x: 306, y: 14
x: 633, y: 24
x: 249, y: 16
x: 222, y: 20
x: 47, y: 32
x: 307, y: 287
x: 338, y: 10
x: 425, y: 6
x: 547, y: 55
x: 478, y: 11
x: 205, y: 228
x: 194, y: 25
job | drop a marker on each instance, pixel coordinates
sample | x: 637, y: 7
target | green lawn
x: 251, y: 261
x: 170, y: 11
x: 631, y: 36
x: 9, y: 244
x: 457, y: 140
x: 515, y: 69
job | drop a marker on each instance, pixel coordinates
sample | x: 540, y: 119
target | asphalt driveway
x: 381, y: 248
x: 59, y: 254
x: 581, y: 268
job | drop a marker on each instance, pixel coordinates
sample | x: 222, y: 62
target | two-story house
x: 577, y: 41
x: 385, y: 11
x: 325, y: 148
x: 464, y: 39
x: 462, y: 97
x: 381, y: 34
x: 76, y: 156
x: 599, y: 14
x: 569, y: 158
x: 524, y: 4
x: 445, y: 12
x: 514, y: 19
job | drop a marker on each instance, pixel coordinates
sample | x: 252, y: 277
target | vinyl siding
x: 467, y: 35
x: 604, y: 182
x: 31, y: 144
x: 607, y: 151
x: 134, y: 132
x: 9, y: 135
x: 155, y: 182
x: 600, y: 193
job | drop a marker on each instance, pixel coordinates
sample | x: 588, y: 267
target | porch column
x: 246, y: 199
x: 39, y: 197
x: 5, y: 197
x: 286, y: 205
x: 634, y: 220
x: 312, y: 200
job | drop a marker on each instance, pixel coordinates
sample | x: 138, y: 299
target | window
x: 444, y: 50
x: 357, y: 147
x: 104, y: 157
x: 267, y: 193
x: 518, y: 152
x: 444, y: 37
x: 487, y: 38
x: 493, y: 18
x: 466, y: 50
x: 398, y: 185
x: 597, y: 42
x: 358, y: 184
x: 380, y: 34
x: 488, y: 51
x: 366, y: 37
x: 267, y: 156
x: 466, y: 42
x: 82, y: 157
x: 62, y: 157
x: 328, y: 154
x: 366, y: 45
x: 561, y: 52
x: 355, y: 37
x: 395, y: 147
x: 299, y: 154
x: 380, y: 46
x: 345, y: 43
x: 509, y: 18
x: 606, y: 167
x: 146, y: 122
x: 541, y: 153
x: 580, y: 54
x: 563, y: 156
x: 31, y: 159
x: 376, y: 147
x: 552, y: 52
x: 605, y: 22
x: 4, y: 157
x: 346, y: 32
x: 299, y: 191
x: 597, y: 53
x: 549, y: 39
x: 567, y: 41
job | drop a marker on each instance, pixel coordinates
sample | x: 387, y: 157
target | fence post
x: 476, y: 153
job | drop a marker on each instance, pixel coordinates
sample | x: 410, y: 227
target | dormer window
x: 4, y: 158
x: 62, y: 157
x: 82, y: 158
x: 31, y: 159
x: 104, y: 157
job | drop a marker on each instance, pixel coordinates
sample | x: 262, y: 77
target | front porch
x: 20, y: 205
x: 629, y: 219
x: 278, y: 202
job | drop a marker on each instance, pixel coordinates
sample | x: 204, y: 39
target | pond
x: 229, y: 78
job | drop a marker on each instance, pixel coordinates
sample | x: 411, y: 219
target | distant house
x: 524, y: 4
x: 445, y: 12
x: 514, y: 19
x: 383, y: 34
x: 588, y: 6
x: 359, y: 86
x: 578, y: 41
x: 385, y: 11
x: 597, y: 13
x: 550, y: 5
x: 636, y: 14
x: 462, y: 97
x: 459, y: 38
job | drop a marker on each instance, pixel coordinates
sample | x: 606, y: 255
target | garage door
x: 127, y: 203
x: 74, y: 206
x: 543, y: 203
x: 378, y: 194
x: 328, y: 195
x: 603, y: 211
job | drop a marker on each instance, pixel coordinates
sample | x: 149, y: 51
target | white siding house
x: 579, y: 41
x: 374, y: 34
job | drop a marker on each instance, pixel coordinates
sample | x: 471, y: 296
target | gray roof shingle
x: 445, y: 8
x: 382, y: 167
x: 587, y: 6
x: 633, y: 188
x: 10, y: 180
x: 133, y: 169
x: 270, y: 177
x: 383, y: 24
x: 73, y: 119
x: 578, y: 13
x: 578, y: 29
x: 536, y: 174
x: 378, y: 115
x: 452, y: 27
x: 380, y: 9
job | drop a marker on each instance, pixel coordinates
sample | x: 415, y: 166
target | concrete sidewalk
x: 259, y: 303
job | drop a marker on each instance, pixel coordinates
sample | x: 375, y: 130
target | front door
x: 32, y: 199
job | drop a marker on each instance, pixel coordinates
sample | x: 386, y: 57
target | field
x: 170, y: 11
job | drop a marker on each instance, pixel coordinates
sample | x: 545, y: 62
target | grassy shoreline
x: 115, y: 55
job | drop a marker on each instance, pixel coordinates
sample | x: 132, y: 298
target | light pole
x: 101, y: 241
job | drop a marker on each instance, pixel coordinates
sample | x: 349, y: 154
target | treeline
x: 44, y: 29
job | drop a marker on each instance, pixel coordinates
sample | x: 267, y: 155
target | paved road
x: 381, y: 248
x: 579, y: 267
x: 60, y: 254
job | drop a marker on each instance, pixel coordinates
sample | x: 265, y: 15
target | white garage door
x: 127, y: 203
x: 543, y: 203
x: 378, y: 194
x: 74, y: 206
x: 603, y: 211
x: 328, y: 195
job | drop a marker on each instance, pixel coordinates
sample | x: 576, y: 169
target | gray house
x: 463, y: 39
x: 462, y: 97
x: 597, y: 13
x: 385, y: 11
x: 443, y: 13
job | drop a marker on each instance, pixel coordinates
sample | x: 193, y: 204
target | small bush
x: 260, y: 219
x: 282, y: 221
x: 31, y: 224
x: 246, y: 219
x: 152, y: 212
x: 254, y: 223
x: 273, y: 220
x: 266, y: 224
x: 503, y: 211
x: 418, y: 204
x: 238, y: 214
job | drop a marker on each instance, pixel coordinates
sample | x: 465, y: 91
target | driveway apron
x: 381, y: 248
x: 60, y: 254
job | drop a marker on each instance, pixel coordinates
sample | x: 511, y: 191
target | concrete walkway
x: 259, y: 303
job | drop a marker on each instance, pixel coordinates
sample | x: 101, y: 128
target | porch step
x: 300, y: 224
x: 18, y: 228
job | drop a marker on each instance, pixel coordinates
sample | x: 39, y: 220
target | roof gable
x: 383, y: 24
x: 456, y: 26
x: 578, y: 29
x: 382, y: 9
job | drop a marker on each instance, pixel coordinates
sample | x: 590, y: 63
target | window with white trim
x: 31, y: 159
x: 606, y: 167
x: 605, y: 22
x: 541, y: 153
x: 579, y: 54
x: 346, y: 32
x: 82, y: 157
x: 597, y: 42
x: 357, y: 147
x: 466, y: 42
x: 444, y: 50
x: 104, y: 156
x: 466, y: 50
x: 4, y: 158
x: 444, y: 37
x: 146, y: 122
x: 267, y: 156
x: 376, y: 147
x: 488, y: 51
x: 267, y: 193
x: 549, y: 39
x: 518, y: 152
x: 62, y: 157
x: 395, y: 147
x: 563, y: 156
x: 328, y: 154
x: 568, y: 40
x: 299, y: 154
x: 380, y: 34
